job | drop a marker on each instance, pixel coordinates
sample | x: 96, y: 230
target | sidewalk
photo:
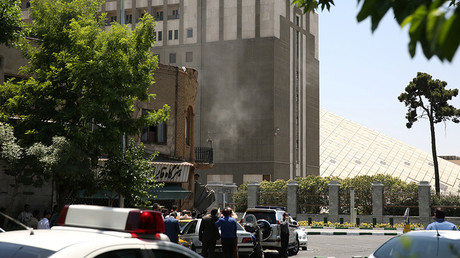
x: 353, y: 231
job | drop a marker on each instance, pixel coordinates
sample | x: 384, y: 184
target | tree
x: 431, y: 97
x: 433, y: 24
x: 22, y: 164
x: 10, y: 22
x: 83, y: 82
x: 129, y: 175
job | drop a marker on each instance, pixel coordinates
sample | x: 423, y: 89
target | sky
x: 363, y: 73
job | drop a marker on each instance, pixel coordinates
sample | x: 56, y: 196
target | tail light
x: 246, y: 240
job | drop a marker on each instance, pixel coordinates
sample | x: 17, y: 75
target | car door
x: 189, y: 235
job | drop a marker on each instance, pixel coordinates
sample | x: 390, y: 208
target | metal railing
x: 203, y: 154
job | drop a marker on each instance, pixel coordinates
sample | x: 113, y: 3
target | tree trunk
x: 435, y: 157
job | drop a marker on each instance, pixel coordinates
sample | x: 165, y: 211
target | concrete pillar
x: 228, y: 190
x: 334, y: 201
x: 292, y: 188
x: 217, y: 187
x: 424, y: 197
x: 377, y: 201
x: 253, y: 191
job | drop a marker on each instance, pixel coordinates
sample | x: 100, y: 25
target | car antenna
x: 31, y: 230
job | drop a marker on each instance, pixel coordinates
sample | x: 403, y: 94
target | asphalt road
x: 341, y: 246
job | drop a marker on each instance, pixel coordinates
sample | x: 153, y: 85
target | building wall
x: 176, y: 88
x: 258, y: 101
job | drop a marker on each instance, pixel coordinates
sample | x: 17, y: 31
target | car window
x: 166, y: 254
x: 190, y: 227
x: 122, y: 253
x: 268, y: 216
x: 10, y: 250
x: 421, y: 247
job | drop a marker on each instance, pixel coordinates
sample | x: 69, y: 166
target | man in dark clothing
x: 284, y: 227
x: 228, y: 227
x: 209, y: 234
x: 172, y: 228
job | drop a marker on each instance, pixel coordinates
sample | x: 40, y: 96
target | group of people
x: 36, y: 220
x: 208, y: 233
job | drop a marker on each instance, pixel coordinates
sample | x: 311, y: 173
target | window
x: 176, y: 34
x: 188, y: 56
x: 189, y: 33
x: 113, y: 18
x: 172, y: 58
x: 128, y: 18
x: 160, y: 36
x: 159, y: 16
x: 155, y: 133
x: 170, y: 34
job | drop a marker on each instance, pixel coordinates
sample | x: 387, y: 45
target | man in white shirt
x: 45, y: 223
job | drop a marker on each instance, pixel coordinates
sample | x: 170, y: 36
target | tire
x: 295, y: 250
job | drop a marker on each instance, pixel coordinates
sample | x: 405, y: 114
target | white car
x: 422, y: 244
x: 189, y: 238
x: 95, y: 231
x: 303, y: 238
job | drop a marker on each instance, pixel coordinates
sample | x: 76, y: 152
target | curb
x: 324, y: 233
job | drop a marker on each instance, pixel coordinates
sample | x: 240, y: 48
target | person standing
x: 25, y: 216
x: 33, y: 222
x: 284, y: 227
x: 208, y: 234
x: 45, y: 223
x: 440, y: 223
x: 228, y: 227
x: 172, y: 228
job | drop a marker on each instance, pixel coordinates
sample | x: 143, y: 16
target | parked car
x: 269, y: 219
x: 189, y: 238
x: 302, y: 235
x: 421, y: 244
x: 95, y: 231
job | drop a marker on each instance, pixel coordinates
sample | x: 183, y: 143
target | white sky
x: 362, y: 74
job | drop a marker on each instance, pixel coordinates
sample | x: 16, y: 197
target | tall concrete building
x: 258, y: 99
x: 258, y: 74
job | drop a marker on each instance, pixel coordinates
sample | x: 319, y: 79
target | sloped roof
x: 348, y: 149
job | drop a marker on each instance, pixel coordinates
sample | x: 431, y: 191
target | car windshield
x: 10, y: 250
x: 420, y: 247
x: 268, y: 216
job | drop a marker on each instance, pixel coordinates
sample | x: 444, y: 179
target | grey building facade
x: 258, y: 70
x: 258, y: 100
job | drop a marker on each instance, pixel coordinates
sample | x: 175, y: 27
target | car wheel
x: 296, y: 248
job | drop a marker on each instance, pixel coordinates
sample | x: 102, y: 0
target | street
x: 342, y: 246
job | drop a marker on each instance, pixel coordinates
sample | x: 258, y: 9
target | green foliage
x: 449, y: 203
x: 85, y: 79
x: 129, y: 175
x: 273, y: 193
x: 313, y: 194
x: 435, y: 24
x: 240, y: 198
x: 83, y: 83
x: 10, y: 22
x: 431, y: 97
